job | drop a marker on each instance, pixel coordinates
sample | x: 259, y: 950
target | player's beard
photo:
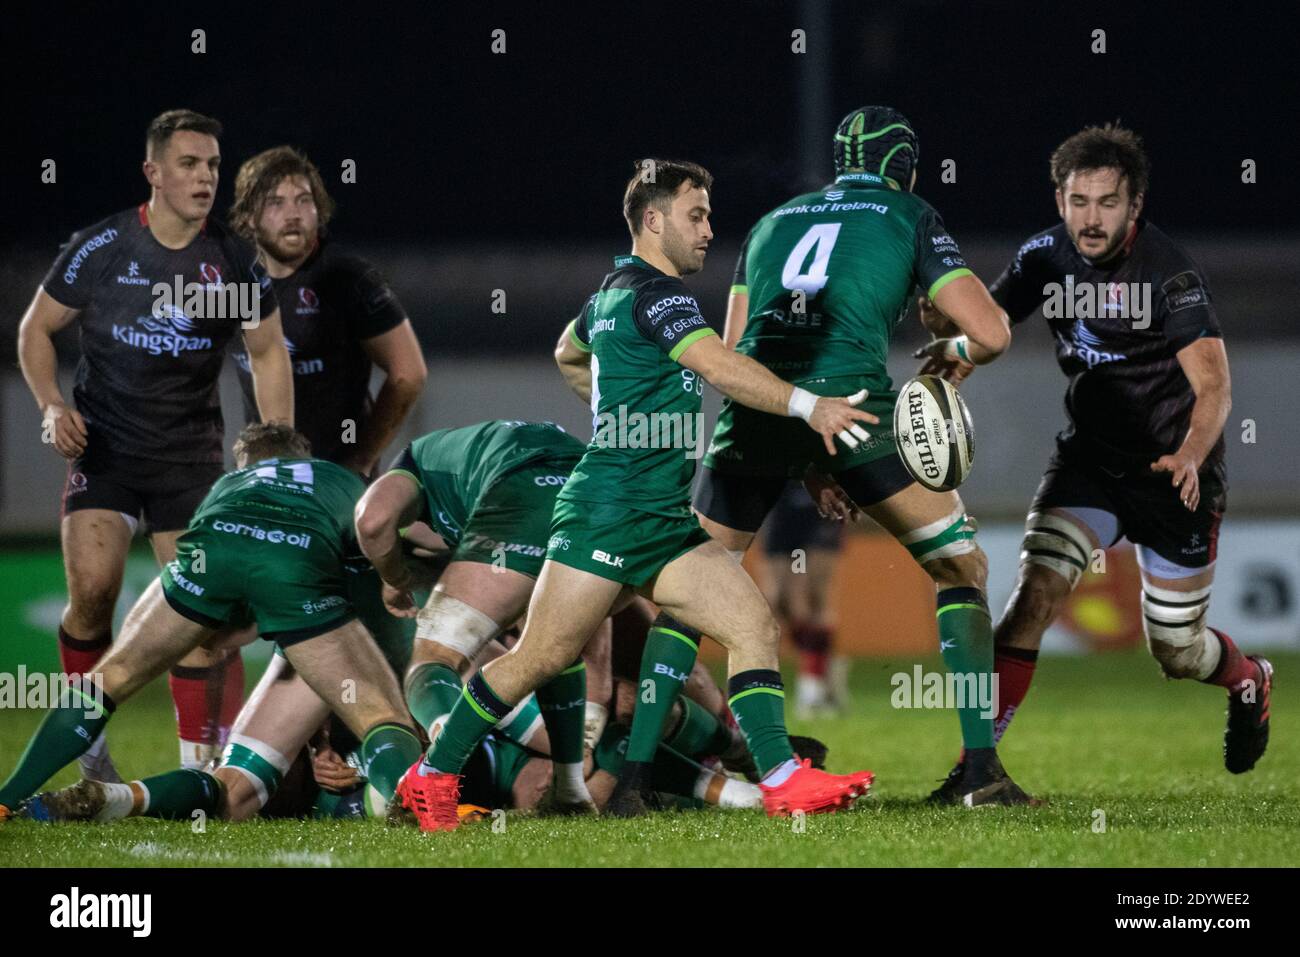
x: 684, y: 257
x: 283, y: 253
x: 1108, y: 252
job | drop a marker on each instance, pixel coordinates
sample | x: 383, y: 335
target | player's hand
x: 332, y: 772
x: 1184, y: 469
x: 834, y: 417
x: 66, y: 427
x: 399, y: 602
x: 934, y: 319
x: 941, y: 359
x: 831, y: 500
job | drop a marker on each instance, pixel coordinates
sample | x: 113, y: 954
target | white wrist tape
x: 801, y: 404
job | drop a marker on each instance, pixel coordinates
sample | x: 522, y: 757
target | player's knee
x: 240, y: 801
x: 1039, y: 596
x: 91, y: 599
x: 967, y: 569
x: 434, y: 653
x: 1176, y: 633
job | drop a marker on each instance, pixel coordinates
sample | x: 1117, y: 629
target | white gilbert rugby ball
x: 933, y: 433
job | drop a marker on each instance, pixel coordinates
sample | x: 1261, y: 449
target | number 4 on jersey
x: 819, y: 240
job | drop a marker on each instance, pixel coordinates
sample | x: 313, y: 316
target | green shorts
x: 289, y: 580
x: 621, y: 544
x: 748, y: 442
x: 511, y: 523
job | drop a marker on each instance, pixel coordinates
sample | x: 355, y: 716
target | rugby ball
x: 933, y: 433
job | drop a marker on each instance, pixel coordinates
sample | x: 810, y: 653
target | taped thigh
x: 263, y: 765
x: 947, y: 537
x: 453, y: 624
x: 1056, y: 543
x: 1176, y: 633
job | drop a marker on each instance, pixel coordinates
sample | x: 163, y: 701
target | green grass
x: 1097, y: 734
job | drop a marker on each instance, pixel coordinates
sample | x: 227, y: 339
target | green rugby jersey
x: 645, y: 407
x: 854, y: 249
x: 456, y: 467
x: 307, y: 494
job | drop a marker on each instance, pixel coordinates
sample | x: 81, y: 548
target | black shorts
x: 794, y: 522
x: 742, y: 502
x: 165, y: 494
x: 1147, y: 505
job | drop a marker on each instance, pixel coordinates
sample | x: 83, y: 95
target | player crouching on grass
x: 270, y: 539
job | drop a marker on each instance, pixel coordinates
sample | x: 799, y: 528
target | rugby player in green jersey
x: 270, y: 540
x: 488, y: 491
x: 623, y: 524
x: 822, y: 282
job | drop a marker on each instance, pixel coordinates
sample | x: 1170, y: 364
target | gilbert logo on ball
x: 933, y: 433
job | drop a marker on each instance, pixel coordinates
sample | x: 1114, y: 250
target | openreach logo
x: 76, y: 910
x: 936, y: 689
x: 212, y: 299
x: 653, y: 430
x: 40, y: 691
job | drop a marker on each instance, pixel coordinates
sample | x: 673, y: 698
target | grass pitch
x: 1130, y: 764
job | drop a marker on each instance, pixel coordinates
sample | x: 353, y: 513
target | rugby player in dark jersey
x: 1143, y: 454
x: 143, y: 434
x: 340, y: 318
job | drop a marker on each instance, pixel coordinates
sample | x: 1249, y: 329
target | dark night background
x: 477, y: 171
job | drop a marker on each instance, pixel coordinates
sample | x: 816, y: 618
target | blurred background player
x: 270, y: 539
x: 821, y: 283
x: 340, y: 318
x: 1143, y: 453
x: 144, y: 433
x: 801, y: 550
x: 622, y: 522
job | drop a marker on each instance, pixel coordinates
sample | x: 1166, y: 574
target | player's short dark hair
x: 270, y: 440
x: 655, y: 183
x: 258, y: 178
x: 1103, y: 147
x: 162, y: 126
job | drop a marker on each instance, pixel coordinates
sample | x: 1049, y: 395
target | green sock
x: 64, y: 735
x: 386, y: 752
x: 666, y: 662
x: 698, y: 732
x: 431, y: 692
x: 476, y: 713
x: 966, y: 643
x: 176, y: 795
x: 563, y: 701
x: 610, y: 753
x: 757, y: 699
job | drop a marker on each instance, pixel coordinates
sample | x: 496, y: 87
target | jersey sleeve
x: 667, y: 314
x: 938, y: 259
x: 579, y: 330
x: 739, y: 283
x: 1186, y: 311
x: 372, y: 306
x: 1019, y: 290
x: 72, y: 277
